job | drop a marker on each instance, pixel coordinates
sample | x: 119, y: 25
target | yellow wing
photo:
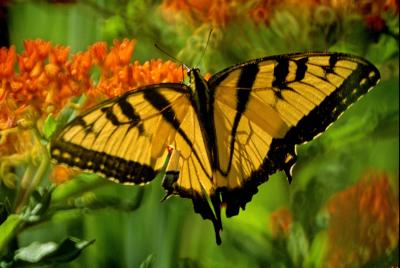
x: 256, y: 113
x: 263, y: 108
x: 129, y: 137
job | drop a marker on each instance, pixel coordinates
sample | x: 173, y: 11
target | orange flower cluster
x: 118, y: 75
x: 45, y: 79
x: 42, y: 80
x: 217, y: 13
x: 39, y: 83
x: 263, y: 9
x: 364, y: 222
x: 221, y: 12
x: 280, y: 222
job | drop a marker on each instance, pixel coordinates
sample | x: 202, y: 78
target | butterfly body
x: 224, y: 136
x: 200, y: 94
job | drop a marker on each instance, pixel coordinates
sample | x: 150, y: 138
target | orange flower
x: 261, y: 11
x: 59, y: 55
x: 392, y: 5
x: 61, y: 174
x: 280, y: 222
x: 47, y: 79
x: 120, y: 54
x: 218, y: 12
x: 207, y: 76
x: 123, y: 50
x: 221, y: 12
x: 36, y: 51
x: 134, y: 75
x: 99, y: 52
x: 7, y: 61
x: 30, y: 85
x: 364, y: 222
x: 80, y: 66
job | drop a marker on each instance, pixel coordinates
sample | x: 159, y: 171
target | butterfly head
x: 197, y: 83
x: 192, y: 73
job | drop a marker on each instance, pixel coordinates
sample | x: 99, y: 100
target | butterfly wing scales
x: 263, y: 108
x: 126, y: 138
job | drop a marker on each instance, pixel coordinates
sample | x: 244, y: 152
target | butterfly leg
x: 290, y: 161
x: 171, y: 172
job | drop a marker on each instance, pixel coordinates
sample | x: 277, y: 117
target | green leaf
x: 297, y: 244
x: 317, y: 250
x: 92, y: 191
x: 8, y: 230
x: 40, y: 201
x: 35, y: 252
x: 307, y: 202
x: 50, y: 126
x: 77, y: 186
x: 50, y: 252
x: 148, y: 262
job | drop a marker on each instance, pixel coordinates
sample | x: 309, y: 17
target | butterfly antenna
x: 205, y: 47
x: 172, y: 57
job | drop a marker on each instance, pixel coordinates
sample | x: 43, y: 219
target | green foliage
x: 8, y: 230
x: 297, y: 244
x: 317, y: 252
x: 91, y: 191
x: 48, y: 253
x: 131, y: 227
x: 147, y: 263
x: 50, y: 126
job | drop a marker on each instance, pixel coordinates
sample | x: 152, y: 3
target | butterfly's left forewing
x: 127, y: 138
x: 264, y: 107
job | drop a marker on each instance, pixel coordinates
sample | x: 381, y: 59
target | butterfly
x: 221, y: 138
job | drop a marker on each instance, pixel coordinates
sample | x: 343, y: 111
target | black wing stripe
x: 332, y: 63
x: 108, y: 112
x: 159, y: 102
x: 301, y: 68
x: 246, y: 80
x: 129, y: 111
x: 281, y: 71
x: 111, y: 166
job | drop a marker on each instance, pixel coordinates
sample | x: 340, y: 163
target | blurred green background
x: 132, y: 228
